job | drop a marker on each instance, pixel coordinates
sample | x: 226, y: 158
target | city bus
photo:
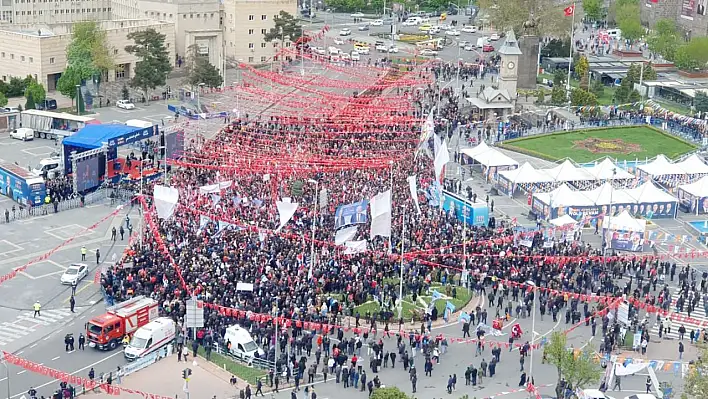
x: 21, y: 185
x: 54, y: 125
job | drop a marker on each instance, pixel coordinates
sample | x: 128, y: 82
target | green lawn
x: 650, y: 142
x: 409, y: 308
x: 604, y: 99
x: 240, y: 370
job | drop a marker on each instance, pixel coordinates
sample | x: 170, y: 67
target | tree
x: 664, y: 40
x: 154, y: 65
x: 597, y: 88
x: 388, y: 393
x: 89, y: 56
x: 3, y: 100
x: 200, y: 70
x: 582, y: 69
x: 541, y: 95
x: 700, y: 102
x: 580, y: 97
x: 35, y: 91
x: 16, y: 87
x: 124, y: 93
x: 578, y: 371
x: 696, y: 382
x: 556, y: 48
x: 547, y: 16
x: 558, y: 95
x: 628, y: 21
x: 286, y: 27
x: 29, y: 104
x: 594, y: 9
x: 692, y: 55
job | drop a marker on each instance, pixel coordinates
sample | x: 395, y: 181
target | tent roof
x: 494, y: 157
x: 698, y: 188
x: 661, y: 166
x: 606, y: 194
x: 472, y: 152
x: 649, y: 192
x: 564, y: 220
x: 93, y: 136
x: 526, y: 174
x: 624, y: 221
x: 564, y: 196
x: 568, y: 172
x: 693, y: 165
x: 607, y: 169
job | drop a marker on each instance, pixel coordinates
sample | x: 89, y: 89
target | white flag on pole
x: 344, y: 235
x: 413, y: 186
x: 381, y: 215
x: 355, y: 247
x: 166, y: 199
x: 286, y: 210
x: 442, y: 157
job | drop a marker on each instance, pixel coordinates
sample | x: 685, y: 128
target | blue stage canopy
x: 93, y: 136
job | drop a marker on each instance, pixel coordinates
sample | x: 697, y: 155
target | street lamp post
x: 78, y: 99
x: 314, y: 225
x: 199, y: 98
x: 140, y: 220
x: 533, y: 325
x: 400, y: 281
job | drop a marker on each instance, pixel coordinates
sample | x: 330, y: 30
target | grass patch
x: 412, y: 310
x: 240, y: 370
x: 673, y: 107
x: 605, y: 99
x: 649, y: 141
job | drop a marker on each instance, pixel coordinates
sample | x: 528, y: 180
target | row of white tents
x: 606, y: 194
x: 489, y: 157
x: 662, y: 166
x: 565, y: 172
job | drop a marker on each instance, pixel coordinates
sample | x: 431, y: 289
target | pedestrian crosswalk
x: 26, y: 324
x: 697, y: 320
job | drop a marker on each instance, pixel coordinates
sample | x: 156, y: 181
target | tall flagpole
x: 570, y: 56
x: 400, y: 282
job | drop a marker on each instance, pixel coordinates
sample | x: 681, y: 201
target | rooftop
x: 51, y: 30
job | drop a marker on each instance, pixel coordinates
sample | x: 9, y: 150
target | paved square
x: 37, y: 151
x: 7, y: 248
x: 42, y: 269
x: 71, y: 230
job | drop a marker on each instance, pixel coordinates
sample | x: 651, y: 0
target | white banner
x: 286, y: 210
x: 413, y: 186
x: 166, y: 199
x: 215, y: 188
x: 344, y: 235
x: 381, y: 215
x: 355, y: 247
x: 244, y: 286
x: 442, y: 157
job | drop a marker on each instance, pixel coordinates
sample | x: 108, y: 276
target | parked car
x: 356, y: 56
x: 428, y: 53
x: 363, y: 27
x: 434, y: 30
x: 74, y: 273
x: 125, y: 104
x: 358, y: 15
x: 453, y: 32
x: 463, y: 43
x: 487, y: 48
x: 393, y: 49
x: 425, y: 28
x: 377, y: 22
x: 469, y: 29
x: 362, y: 50
x: 345, y: 32
x: 494, y: 36
x: 469, y: 47
x: 381, y: 46
x: 338, y: 41
x: 319, y: 50
x: 22, y: 133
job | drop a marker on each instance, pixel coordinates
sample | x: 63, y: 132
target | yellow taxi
x: 425, y: 28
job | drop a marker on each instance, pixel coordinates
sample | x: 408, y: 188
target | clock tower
x: 508, y: 73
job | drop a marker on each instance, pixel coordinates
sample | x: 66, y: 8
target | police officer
x: 82, y: 341
x: 113, y: 234
x: 121, y: 231
x: 83, y: 253
x: 98, y: 256
x: 37, y: 308
x: 72, y: 303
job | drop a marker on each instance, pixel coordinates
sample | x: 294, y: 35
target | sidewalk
x: 165, y: 378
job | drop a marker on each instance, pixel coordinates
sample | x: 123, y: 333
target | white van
x: 592, y: 394
x: 412, y: 21
x: 52, y: 166
x: 150, y: 338
x: 22, y: 133
x: 241, y: 344
x: 139, y: 123
x: 615, y: 33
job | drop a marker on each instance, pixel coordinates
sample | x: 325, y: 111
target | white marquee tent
x: 564, y: 196
x: 697, y: 189
x: 661, y: 166
x: 693, y: 165
x: 606, y: 194
x: 607, y: 169
x: 565, y: 220
x: 649, y: 193
x: 567, y: 171
x: 493, y: 158
x: 526, y: 174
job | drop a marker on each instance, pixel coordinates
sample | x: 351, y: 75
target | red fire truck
x: 106, y: 331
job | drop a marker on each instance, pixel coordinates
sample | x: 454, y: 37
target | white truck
x: 53, y: 125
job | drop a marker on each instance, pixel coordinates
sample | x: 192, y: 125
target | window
x: 22, y: 58
x: 250, y: 59
x: 250, y: 17
x: 263, y: 45
x: 263, y: 58
x: 250, y: 45
x: 2, y: 54
x: 275, y: 44
x: 287, y: 44
x: 184, y: 16
x: 264, y: 17
x: 263, y: 31
x: 250, y: 31
x: 115, y: 51
x: 120, y: 73
x: 191, y: 16
x: 12, y: 56
x: 198, y: 15
x: 31, y: 59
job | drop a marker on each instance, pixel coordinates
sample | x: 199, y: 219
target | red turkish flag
x: 569, y: 11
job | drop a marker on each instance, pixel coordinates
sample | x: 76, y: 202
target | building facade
x: 41, y: 51
x: 689, y: 15
x: 53, y: 11
x: 245, y: 23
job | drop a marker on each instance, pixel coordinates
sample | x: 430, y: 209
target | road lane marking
x: 19, y: 353
x: 57, y: 357
x: 21, y: 372
x: 33, y: 345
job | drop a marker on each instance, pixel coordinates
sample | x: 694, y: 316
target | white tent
x: 472, y: 152
x: 649, y: 192
x: 568, y: 172
x: 564, y: 196
x: 606, y: 194
x: 698, y: 188
x: 693, y: 165
x: 624, y: 221
x: 564, y: 220
x: 607, y: 169
x: 525, y: 174
x: 494, y: 158
x: 661, y: 166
